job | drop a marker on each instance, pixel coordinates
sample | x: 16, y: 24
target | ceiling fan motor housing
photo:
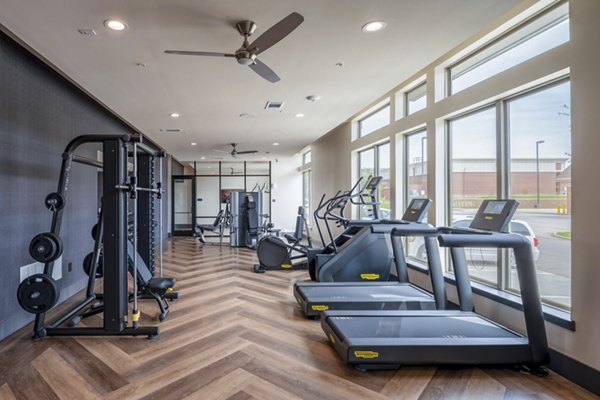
x: 245, y: 57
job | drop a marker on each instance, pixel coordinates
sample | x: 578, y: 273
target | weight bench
x: 214, y: 227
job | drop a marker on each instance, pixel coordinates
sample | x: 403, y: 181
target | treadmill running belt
x: 357, y: 293
x: 417, y: 327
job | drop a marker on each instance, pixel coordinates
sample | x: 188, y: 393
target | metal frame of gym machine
x: 114, y: 227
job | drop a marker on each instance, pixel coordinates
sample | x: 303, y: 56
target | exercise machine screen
x: 494, y: 215
x: 416, y: 210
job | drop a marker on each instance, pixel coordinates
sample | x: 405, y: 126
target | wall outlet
x: 37, y: 268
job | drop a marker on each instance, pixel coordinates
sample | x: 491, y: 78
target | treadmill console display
x: 416, y: 210
x: 494, y: 215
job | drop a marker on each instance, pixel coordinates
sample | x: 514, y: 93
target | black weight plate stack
x: 38, y: 293
x: 46, y: 247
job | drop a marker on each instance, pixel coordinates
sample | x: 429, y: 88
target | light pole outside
x: 537, y: 171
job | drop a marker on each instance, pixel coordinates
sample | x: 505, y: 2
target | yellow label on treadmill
x: 286, y: 266
x: 413, y: 212
x: 369, y: 277
x: 489, y: 218
x: 320, y: 308
x: 366, y: 354
x: 331, y: 338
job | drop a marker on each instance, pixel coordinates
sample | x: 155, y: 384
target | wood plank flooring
x: 235, y: 335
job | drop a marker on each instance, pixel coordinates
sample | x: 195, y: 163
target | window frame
x: 406, y: 100
x: 375, y: 148
x: 405, y: 154
x: 304, y: 162
x: 448, y: 69
x: 308, y: 216
x: 388, y: 104
x: 503, y: 177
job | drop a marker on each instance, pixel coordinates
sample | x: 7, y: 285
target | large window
x: 306, y: 194
x: 472, y: 169
x: 540, y: 179
x: 535, y: 128
x: 375, y: 161
x: 306, y: 157
x: 376, y: 120
x: 415, y: 184
x: 531, y: 39
x: 383, y: 170
x: 416, y: 99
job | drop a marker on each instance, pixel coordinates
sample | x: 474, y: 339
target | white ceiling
x: 210, y: 93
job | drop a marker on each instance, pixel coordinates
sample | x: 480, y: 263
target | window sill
x: 551, y: 314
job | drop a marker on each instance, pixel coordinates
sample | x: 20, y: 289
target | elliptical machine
x: 367, y: 247
x: 275, y: 253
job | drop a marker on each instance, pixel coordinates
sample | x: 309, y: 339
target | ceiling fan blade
x: 277, y: 32
x: 198, y: 53
x: 264, y: 71
x: 247, y: 152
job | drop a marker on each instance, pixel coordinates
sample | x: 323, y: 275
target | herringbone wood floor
x: 234, y: 334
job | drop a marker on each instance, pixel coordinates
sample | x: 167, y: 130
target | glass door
x: 183, y: 206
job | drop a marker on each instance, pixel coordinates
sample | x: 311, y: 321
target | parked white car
x: 479, y: 257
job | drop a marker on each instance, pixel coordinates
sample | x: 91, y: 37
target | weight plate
x: 54, y: 201
x: 38, y: 293
x: 94, y: 231
x: 46, y: 247
x: 87, y: 265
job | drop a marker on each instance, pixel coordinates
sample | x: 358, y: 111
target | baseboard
x: 575, y: 371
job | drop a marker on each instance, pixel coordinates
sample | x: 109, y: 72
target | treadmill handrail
x: 436, y: 274
x: 530, y: 295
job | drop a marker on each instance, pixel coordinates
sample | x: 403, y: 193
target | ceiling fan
x: 246, y: 55
x: 234, y: 152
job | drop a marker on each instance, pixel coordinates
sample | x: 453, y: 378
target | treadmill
x: 316, y: 297
x: 390, y: 339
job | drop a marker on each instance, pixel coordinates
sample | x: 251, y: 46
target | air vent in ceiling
x: 274, y: 105
x: 171, y: 130
x: 87, y: 32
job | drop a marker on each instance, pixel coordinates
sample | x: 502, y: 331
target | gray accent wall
x: 40, y: 112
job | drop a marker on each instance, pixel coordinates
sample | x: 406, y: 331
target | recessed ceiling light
x: 203, y: 158
x: 193, y: 144
x: 141, y: 65
x: 339, y: 64
x: 247, y: 115
x: 263, y: 158
x: 299, y: 115
x: 313, y: 97
x: 275, y: 144
x: 373, y: 26
x: 115, y: 25
x: 174, y: 115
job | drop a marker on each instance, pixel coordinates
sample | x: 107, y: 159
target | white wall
x: 333, y: 163
x: 286, y: 192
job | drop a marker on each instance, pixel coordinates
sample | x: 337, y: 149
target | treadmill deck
x: 389, y: 339
x: 315, y: 298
